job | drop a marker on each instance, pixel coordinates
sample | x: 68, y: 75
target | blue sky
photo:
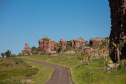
x: 27, y: 21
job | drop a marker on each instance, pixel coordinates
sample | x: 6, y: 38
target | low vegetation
x: 93, y: 72
x: 15, y: 71
x: 44, y: 73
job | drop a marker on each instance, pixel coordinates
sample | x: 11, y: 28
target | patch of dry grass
x: 14, y: 70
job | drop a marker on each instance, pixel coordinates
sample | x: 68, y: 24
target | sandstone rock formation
x: 118, y: 29
x: 87, y: 50
x: 63, y: 43
x: 100, y: 53
x: 97, y: 40
x: 78, y: 42
x: 70, y: 52
x: 46, y: 44
x: 26, y: 50
x: 58, y: 44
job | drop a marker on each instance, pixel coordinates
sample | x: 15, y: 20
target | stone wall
x: 118, y: 28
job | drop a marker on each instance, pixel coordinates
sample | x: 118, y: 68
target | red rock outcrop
x: 26, y: 50
x: 87, y: 50
x: 63, y: 44
x: 46, y: 44
x: 97, y: 40
x: 58, y: 44
x: 78, y: 42
x: 118, y: 29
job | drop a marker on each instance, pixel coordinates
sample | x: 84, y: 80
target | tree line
x: 7, y: 54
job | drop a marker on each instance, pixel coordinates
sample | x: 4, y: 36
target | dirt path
x: 60, y: 74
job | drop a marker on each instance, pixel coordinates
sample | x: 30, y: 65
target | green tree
x: 33, y: 48
x: 59, y: 48
x: 55, y: 49
x: 8, y: 53
x: 19, y: 54
x: 68, y: 45
x: 118, y: 49
x: 37, y: 50
x: 13, y: 55
x: 2, y: 54
x: 107, y: 38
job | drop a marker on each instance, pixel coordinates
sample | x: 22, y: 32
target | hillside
x: 94, y: 72
x: 17, y: 71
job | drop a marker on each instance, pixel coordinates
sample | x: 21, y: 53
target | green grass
x: 14, y: 70
x: 86, y: 74
x: 44, y: 74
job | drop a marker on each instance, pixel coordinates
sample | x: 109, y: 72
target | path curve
x: 60, y: 74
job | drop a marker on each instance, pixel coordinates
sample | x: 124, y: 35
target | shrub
x: 120, y: 67
x: 8, y: 53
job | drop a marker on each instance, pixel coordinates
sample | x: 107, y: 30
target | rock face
x: 78, y: 42
x: 100, y: 52
x: 26, y: 50
x: 87, y: 50
x: 118, y: 28
x: 46, y: 44
x: 95, y: 41
x: 58, y: 44
x: 70, y: 52
x: 63, y: 43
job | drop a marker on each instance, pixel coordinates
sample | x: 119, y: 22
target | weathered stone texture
x: 78, y: 42
x: 63, y: 44
x: 100, y: 53
x: 26, y: 50
x: 58, y: 44
x: 118, y: 28
x: 47, y: 45
x: 97, y: 40
x: 87, y: 50
x: 70, y: 52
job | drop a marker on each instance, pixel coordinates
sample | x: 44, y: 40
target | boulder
x: 87, y: 50
x: 70, y: 52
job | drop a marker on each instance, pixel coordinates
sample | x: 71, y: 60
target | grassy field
x: 86, y: 74
x: 17, y: 71
x: 44, y: 74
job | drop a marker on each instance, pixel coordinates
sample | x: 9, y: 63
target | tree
x: 118, y: 49
x: 33, y: 48
x: 59, y: 48
x: 19, y: 54
x: 68, y: 45
x: 2, y: 54
x: 8, y: 53
x: 55, y: 49
x: 37, y: 50
x: 107, y: 38
x: 13, y: 55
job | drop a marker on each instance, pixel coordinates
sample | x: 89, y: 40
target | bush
x: 120, y: 67
x: 8, y: 53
